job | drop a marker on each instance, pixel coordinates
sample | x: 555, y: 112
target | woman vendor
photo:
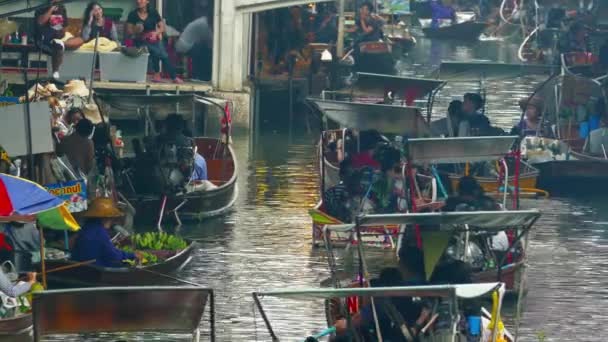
x: 531, y: 125
x: 94, y: 242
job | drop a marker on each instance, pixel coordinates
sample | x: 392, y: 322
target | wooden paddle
x: 67, y: 267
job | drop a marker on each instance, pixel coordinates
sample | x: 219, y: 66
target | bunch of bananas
x: 158, y: 241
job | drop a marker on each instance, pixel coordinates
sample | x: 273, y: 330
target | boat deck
x: 15, y: 76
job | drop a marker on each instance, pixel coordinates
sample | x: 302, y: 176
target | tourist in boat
x: 471, y: 197
x: 78, y: 147
x: 361, y: 149
x: 387, y: 186
x: 448, y: 126
x: 15, y: 290
x: 25, y: 241
x: 146, y: 27
x: 474, y: 122
x: 93, y: 241
x: 327, y: 22
x: 94, y: 23
x: 531, y: 125
x: 575, y: 40
x: 394, y: 312
x: 442, y: 9
x: 50, y: 34
x: 368, y: 26
x: 338, y: 201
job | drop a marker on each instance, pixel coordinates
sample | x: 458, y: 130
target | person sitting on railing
x: 95, y: 23
x: 532, y: 123
x: 146, y: 27
x: 49, y: 34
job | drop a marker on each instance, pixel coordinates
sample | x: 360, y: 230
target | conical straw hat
x: 103, y: 207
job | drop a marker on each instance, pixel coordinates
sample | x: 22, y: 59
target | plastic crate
x: 76, y: 64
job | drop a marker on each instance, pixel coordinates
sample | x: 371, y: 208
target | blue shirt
x: 93, y: 242
x: 200, y: 168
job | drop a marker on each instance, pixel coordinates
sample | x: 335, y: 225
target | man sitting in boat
x: 387, y: 190
x: 531, y: 125
x: 177, y: 156
x: 368, y: 26
x: 362, y: 152
x: 93, y: 241
x: 474, y: 121
x: 470, y: 197
x: 441, y: 10
x: 338, y: 200
x: 394, y: 312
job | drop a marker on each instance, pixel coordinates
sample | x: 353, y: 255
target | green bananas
x: 158, y: 241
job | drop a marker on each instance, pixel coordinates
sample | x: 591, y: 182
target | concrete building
x: 232, y: 46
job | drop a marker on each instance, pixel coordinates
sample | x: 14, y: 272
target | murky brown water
x: 265, y: 243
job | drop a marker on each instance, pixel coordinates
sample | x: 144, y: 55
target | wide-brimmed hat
x: 103, y: 207
x: 91, y: 112
x: 535, y: 101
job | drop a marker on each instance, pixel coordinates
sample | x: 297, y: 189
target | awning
x: 383, y: 118
x: 376, y: 85
x: 459, y: 150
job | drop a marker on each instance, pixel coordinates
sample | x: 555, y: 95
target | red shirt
x: 363, y: 159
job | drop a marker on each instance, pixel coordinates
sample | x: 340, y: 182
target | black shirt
x: 54, y: 28
x: 149, y: 24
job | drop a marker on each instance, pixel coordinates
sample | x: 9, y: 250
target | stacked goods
x: 155, y: 247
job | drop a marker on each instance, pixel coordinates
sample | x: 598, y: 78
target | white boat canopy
x: 459, y: 150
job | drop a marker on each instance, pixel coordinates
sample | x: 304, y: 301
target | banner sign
x: 73, y: 192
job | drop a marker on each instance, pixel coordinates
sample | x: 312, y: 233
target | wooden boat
x: 141, y: 309
x: 196, y: 205
x: 528, y: 178
x: 94, y: 276
x: 466, y: 31
x: 375, y: 57
x: 195, y: 202
x: 12, y: 328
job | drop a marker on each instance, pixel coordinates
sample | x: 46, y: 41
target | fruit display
x: 160, y: 241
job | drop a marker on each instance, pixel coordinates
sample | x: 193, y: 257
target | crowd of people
x: 144, y: 28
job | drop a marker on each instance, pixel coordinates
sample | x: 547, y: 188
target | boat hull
x: 463, y: 31
x: 11, y: 328
x: 95, y: 276
x: 375, y: 57
x: 588, y: 174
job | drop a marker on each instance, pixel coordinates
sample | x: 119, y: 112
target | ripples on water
x: 265, y: 243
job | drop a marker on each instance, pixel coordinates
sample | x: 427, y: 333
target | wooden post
x: 42, y: 261
x: 340, y: 43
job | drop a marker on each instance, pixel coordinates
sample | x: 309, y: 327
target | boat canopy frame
x: 450, y: 292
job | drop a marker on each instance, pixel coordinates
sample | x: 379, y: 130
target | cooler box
x: 116, y: 67
x: 76, y: 64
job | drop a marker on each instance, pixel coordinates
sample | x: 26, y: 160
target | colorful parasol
x: 23, y: 200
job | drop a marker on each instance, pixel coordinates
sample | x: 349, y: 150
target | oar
x: 170, y: 277
x: 67, y: 267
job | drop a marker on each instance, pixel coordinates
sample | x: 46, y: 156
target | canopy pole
x: 42, y: 257
x: 264, y: 317
x: 93, y: 68
x: 340, y: 43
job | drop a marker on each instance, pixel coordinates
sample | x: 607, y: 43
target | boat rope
x: 520, y: 51
x: 170, y: 277
x: 501, y: 11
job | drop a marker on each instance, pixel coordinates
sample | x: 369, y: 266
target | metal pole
x: 28, y: 127
x: 340, y: 43
x: 93, y: 66
x: 264, y: 317
x: 42, y: 261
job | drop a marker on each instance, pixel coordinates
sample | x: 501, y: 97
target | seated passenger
x: 93, y: 241
x: 393, y: 312
x: 364, y: 155
x: 531, y: 125
x: 387, y: 188
x: 474, y: 122
x: 470, y: 197
x: 200, y: 168
x: 94, y: 23
x: 448, y: 126
x: 338, y: 200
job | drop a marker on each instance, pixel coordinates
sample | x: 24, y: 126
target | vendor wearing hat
x: 94, y: 242
x: 531, y: 125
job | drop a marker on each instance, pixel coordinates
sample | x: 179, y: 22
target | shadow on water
x: 265, y: 242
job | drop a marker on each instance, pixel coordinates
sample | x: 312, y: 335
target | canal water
x: 265, y: 243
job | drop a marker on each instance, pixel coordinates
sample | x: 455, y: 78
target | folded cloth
x: 104, y: 45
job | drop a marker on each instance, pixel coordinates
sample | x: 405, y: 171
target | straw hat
x: 91, y: 112
x: 76, y: 87
x: 103, y: 207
